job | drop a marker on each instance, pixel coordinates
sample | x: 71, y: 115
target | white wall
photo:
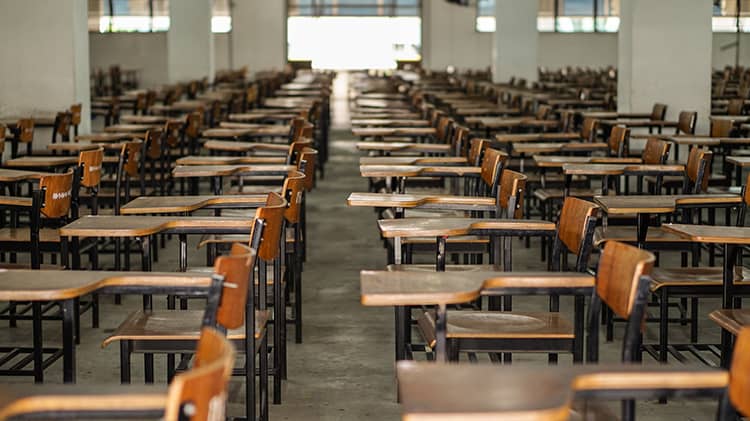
x: 726, y: 58
x: 259, y: 34
x: 45, y: 66
x: 449, y: 37
x: 558, y: 50
x: 221, y: 51
x: 144, y: 51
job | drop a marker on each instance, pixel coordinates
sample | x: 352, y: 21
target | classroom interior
x: 427, y: 210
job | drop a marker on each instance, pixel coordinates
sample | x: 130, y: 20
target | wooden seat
x: 498, y: 331
x: 143, y: 325
x: 499, y: 325
x: 627, y: 234
x: 203, y: 389
x: 169, y: 332
x: 695, y: 277
x: 731, y: 320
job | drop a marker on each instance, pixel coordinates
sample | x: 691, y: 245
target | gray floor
x: 344, y: 368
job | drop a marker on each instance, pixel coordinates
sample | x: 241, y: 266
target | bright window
x: 146, y: 16
x: 354, y: 34
x: 346, y: 42
x: 604, y: 16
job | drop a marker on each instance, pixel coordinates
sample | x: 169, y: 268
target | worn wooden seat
x: 203, y: 390
x: 490, y: 331
x: 168, y: 332
x: 499, y: 325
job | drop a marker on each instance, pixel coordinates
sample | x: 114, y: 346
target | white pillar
x: 664, y: 55
x: 259, y: 35
x: 190, y: 43
x: 450, y: 38
x: 514, y: 52
x: 45, y: 52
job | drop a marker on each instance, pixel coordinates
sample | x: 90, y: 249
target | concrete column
x: 258, y: 35
x: 664, y: 55
x: 514, y: 52
x: 45, y: 52
x: 190, y: 43
x: 449, y: 38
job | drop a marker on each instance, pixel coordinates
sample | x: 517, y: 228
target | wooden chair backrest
x: 618, y: 276
x: 153, y: 143
x: 292, y: 191
x: 476, y: 149
x: 58, y: 193
x: 2, y: 139
x: 722, y: 127
x: 235, y: 269
x: 573, y: 222
x: 91, y: 163
x: 458, y: 141
x: 443, y: 129
x: 686, y: 122
x: 251, y: 96
x: 129, y: 153
x: 588, y: 129
x: 696, y: 164
x: 75, y: 114
x: 739, y: 374
x: 204, y: 387
x: 618, y: 138
x: 25, y: 130
x: 656, y: 151
x: 510, y: 193
x: 295, y: 150
x: 308, y: 157
x: 567, y: 120
x: 272, y: 214
x: 490, y: 163
x: 295, y: 128
x: 735, y: 106
x: 141, y: 103
x: 308, y: 131
x: 172, y: 133
x: 193, y: 124
x: 62, y: 125
x: 542, y: 113
x: 659, y: 111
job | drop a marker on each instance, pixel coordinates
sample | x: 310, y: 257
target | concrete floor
x: 344, y: 368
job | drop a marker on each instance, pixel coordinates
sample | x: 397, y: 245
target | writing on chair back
x: 58, y: 194
x: 292, y: 190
